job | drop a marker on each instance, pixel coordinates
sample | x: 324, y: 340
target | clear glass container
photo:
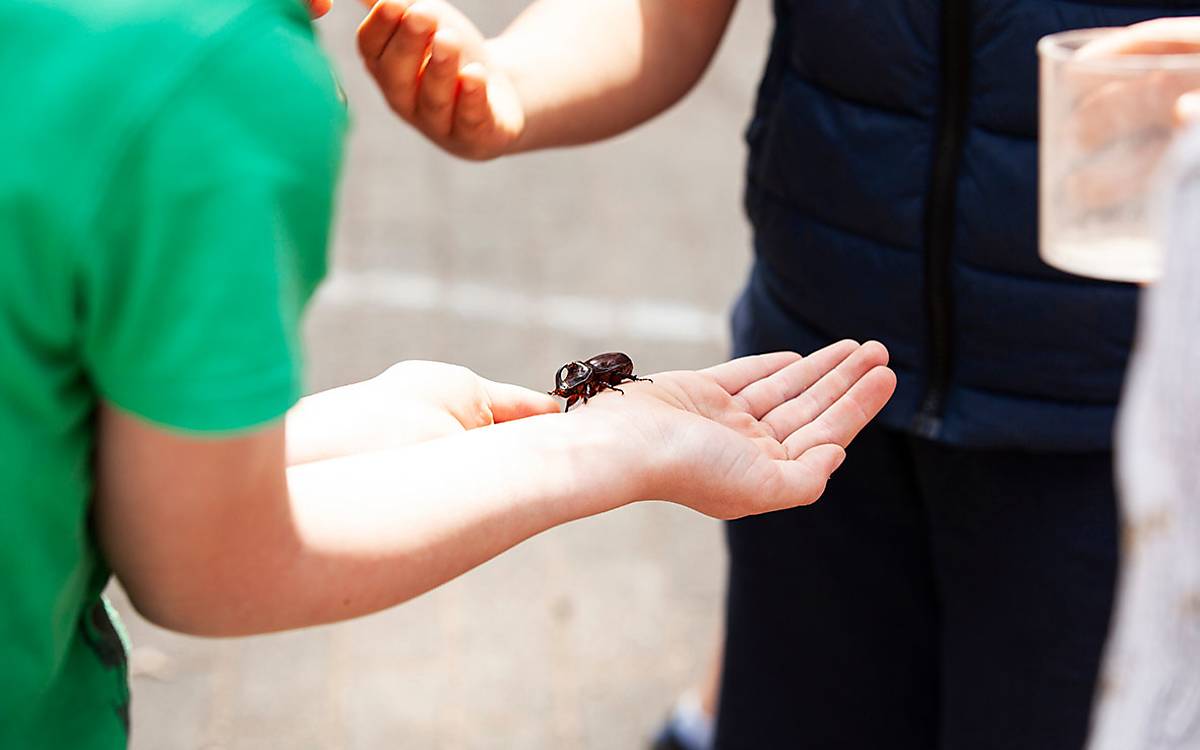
x: 1105, y: 123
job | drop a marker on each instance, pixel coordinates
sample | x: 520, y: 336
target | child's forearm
x: 362, y: 533
x: 588, y: 69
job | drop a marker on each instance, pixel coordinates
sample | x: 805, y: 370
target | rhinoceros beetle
x: 582, y: 380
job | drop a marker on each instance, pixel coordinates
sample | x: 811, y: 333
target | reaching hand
x: 755, y: 434
x: 433, y: 67
x: 1154, y: 100
x: 1124, y: 121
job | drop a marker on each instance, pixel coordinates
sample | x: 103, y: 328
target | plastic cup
x: 1105, y: 124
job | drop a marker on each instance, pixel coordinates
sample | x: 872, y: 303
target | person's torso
x: 81, y: 80
x: 892, y: 186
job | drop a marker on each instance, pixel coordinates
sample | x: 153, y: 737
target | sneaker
x: 688, y: 727
x: 666, y: 739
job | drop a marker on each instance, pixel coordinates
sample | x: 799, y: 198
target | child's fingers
x: 472, y: 112
x: 439, y: 83
x: 402, y: 57
x: 510, y: 402
x: 832, y: 386
x: 318, y: 8
x: 377, y: 28
x: 762, y: 396
x: 739, y: 373
x: 843, y: 420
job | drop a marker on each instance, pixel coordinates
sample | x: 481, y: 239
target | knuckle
x: 409, y: 39
x: 440, y: 71
x: 399, y: 102
x: 433, y: 108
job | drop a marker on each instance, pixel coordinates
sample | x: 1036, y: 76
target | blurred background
x: 582, y: 637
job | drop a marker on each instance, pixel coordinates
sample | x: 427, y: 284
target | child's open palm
x: 755, y: 434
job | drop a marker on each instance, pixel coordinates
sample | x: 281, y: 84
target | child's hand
x: 434, y: 69
x: 410, y: 402
x: 752, y: 435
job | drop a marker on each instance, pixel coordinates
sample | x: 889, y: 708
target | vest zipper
x: 955, y: 58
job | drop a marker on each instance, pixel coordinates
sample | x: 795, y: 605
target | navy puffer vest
x: 892, y: 186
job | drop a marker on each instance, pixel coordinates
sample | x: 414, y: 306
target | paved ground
x: 579, y: 638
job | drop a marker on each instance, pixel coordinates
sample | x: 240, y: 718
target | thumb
x: 510, y: 402
x: 805, y: 476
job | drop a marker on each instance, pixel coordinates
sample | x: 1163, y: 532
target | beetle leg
x: 571, y: 402
x: 634, y: 379
x: 618, y: 390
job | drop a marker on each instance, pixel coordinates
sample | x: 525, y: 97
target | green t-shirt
x: 166, y: 179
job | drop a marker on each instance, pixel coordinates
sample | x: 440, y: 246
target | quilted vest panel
x: 892, y: 187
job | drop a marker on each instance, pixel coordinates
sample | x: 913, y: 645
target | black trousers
x: 935, y: 598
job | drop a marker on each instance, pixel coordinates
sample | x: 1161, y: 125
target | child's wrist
x: 613, y: 465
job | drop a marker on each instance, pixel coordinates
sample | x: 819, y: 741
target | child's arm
x: 565, y: 72
x: 213, y: 536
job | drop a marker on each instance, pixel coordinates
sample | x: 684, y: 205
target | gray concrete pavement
x: 581, y: 637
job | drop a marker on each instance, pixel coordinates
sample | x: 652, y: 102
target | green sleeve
x: 216, y: 236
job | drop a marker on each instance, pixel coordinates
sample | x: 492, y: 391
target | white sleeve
x: 1149, y: 695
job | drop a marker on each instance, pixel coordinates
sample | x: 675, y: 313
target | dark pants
x: 935, y: 598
